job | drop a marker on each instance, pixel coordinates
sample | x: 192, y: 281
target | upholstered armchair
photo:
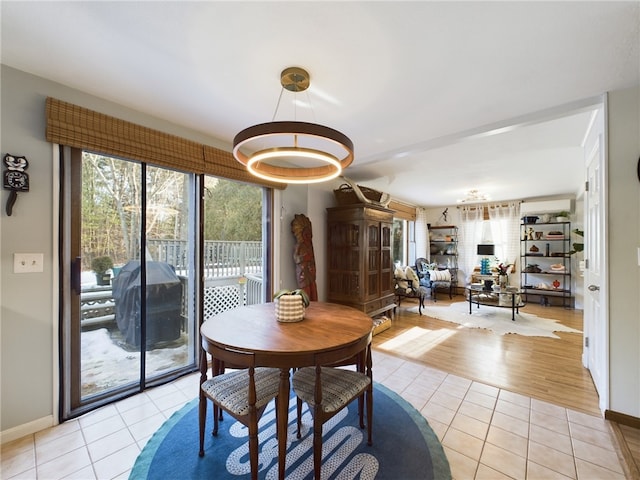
x: 407, y: 285
x: 422, y: 270
x: 432, y: 278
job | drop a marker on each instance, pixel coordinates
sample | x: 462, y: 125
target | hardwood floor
x: 544, y: 368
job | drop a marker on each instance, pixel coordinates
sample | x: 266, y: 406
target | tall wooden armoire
x: 359, y: 264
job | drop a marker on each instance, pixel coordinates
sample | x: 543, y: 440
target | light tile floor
x: 487, y: 433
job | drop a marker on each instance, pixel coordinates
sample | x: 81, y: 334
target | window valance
x: 403, y: 211
x: 79, y: 127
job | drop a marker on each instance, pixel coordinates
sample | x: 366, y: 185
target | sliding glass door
x: 147, y: 253
x: 129, y: 316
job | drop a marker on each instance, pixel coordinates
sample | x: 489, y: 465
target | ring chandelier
x: 292, y: 151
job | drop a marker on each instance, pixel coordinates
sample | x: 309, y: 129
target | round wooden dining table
x: 328, y: 331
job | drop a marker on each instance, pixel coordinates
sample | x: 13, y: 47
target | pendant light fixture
x: 292, y: 151
x: 474, y: 196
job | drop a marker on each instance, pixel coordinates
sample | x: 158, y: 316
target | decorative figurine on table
x: 15, y: 178
x: 304, y: 257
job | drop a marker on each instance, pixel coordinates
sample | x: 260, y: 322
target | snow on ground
x: 108, y: 362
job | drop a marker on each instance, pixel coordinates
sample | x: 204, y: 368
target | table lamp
x: 486, y: 250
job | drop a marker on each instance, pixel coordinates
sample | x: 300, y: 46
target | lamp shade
x: 486, y: 249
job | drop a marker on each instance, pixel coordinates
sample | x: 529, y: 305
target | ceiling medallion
x: 292, y: 151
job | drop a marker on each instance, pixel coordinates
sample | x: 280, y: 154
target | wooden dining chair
x: 327, y: 390
x: 243, y: 394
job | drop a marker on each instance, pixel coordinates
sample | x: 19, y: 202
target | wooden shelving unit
x: 443, y: 247
x: 546, y: 262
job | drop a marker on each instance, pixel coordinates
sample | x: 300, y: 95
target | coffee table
x: 505, y: 298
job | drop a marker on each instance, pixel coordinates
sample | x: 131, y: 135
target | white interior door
x: 595, y: 356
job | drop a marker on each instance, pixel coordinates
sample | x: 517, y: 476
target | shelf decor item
x: 290, y: 305
x: 577, y: 246
x: 485, y: 250
x: 503, y: 274
x: 346, y: 194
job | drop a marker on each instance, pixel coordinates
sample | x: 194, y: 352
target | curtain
x: 470, y: 234
x: 422, y: 234
x: 505, y: 230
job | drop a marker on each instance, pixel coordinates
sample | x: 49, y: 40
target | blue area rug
x: 404, y: 446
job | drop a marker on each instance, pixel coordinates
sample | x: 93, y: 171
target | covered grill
x: 163, y: 302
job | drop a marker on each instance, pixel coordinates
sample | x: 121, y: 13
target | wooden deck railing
x: 233, y: 277
x: 221, y: 258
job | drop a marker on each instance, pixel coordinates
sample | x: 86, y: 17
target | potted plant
x: 562, y: 216
x: 100, y: 265
x: 577, y: 246
x: 290, y: 305
x: 503, y: 270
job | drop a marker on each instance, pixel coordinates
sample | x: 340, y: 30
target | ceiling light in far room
x: 292, y: 151
x: 474, y: 196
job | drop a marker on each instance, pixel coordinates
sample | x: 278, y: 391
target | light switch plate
x: 28, y: 262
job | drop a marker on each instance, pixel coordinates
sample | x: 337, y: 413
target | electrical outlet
x: 28, y: 262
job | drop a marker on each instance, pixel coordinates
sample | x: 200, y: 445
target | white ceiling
x: 420, y: 87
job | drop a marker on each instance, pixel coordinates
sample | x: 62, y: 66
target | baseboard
x: 26, y: 429
x: 623, y: 450
x: 622, y: 418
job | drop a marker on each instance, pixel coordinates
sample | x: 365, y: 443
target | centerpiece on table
x: 290, y: 305
x: 503, y: 274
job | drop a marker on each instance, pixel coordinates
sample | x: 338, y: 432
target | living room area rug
x: 496, y: 319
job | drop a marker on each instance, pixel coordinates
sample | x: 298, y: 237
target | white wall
x: 27, y: 302
x: 320, y: 198
x: 313, y: 201
x: 293, y: 200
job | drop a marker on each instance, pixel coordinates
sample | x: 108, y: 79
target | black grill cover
x: 164, y: 300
